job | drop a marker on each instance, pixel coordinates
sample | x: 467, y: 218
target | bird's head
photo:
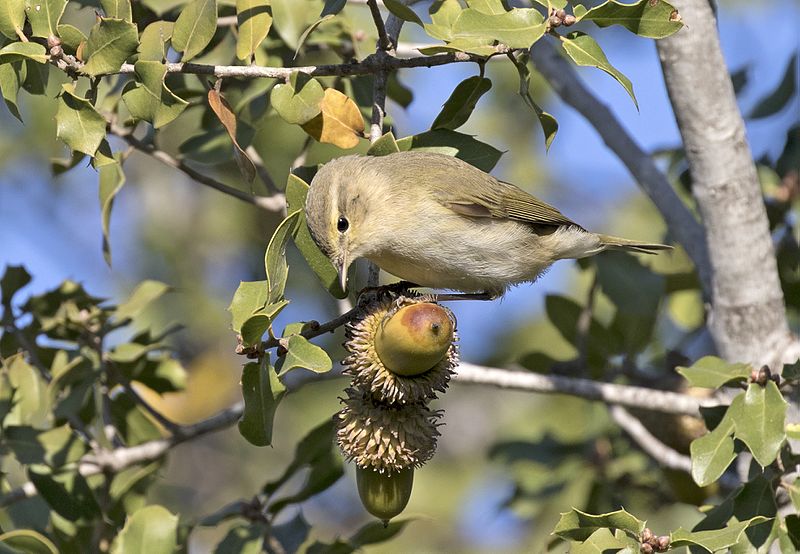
x: 341, y: 211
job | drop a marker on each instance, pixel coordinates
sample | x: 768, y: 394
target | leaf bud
x: 570, y: 19
x: 662, y: 543
x: 554, y: 21
x: 646, y: 548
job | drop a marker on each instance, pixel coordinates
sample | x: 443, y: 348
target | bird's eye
x: 342, y: 224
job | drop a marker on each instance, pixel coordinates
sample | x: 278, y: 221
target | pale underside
x: 489, y: 255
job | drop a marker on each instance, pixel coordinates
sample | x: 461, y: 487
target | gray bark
x: 748, y: 314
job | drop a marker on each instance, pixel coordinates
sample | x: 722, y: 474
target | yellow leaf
x: 338, y: 123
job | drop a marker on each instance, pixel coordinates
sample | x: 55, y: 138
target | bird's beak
x: 343, y: 266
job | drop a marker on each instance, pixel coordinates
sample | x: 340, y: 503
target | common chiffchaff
x: 438, y: 222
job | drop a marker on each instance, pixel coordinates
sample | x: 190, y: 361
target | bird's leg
x: 486, y: 295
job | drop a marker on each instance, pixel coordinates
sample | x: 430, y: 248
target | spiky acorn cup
x: 402, y: 353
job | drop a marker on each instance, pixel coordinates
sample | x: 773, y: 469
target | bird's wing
x: 502, y: 201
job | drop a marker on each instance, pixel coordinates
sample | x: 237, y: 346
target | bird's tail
x: 616, y: 243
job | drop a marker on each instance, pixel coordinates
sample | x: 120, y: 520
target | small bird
x: 438, y: 222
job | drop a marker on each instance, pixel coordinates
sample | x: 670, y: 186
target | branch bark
x: 681, y: 223
x: 748, y: 315
x: 667, y: 402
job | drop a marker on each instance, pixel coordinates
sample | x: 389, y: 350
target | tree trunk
x: 748, y: 315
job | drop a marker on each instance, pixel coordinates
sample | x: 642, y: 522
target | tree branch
x: 120, y: 458
x: 664, y: 455
x: 748, y: 314
x: 667, y: 402
x: 681, y: 223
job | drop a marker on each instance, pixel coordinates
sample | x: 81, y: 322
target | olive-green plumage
x: 439, y: 222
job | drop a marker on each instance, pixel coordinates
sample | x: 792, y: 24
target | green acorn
x: 402, y: 348
x: 415, y: 338
x: 384, y: 495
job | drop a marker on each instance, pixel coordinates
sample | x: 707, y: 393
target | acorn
x: 402, y: 348
x: 384, y: 495
x: 414, y: 339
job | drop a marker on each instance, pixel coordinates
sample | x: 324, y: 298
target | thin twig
x: 274, y: 203
x: 663, y: 454
x: 611, y: 393
x: 681, y: 223
x: 263, y: 174
x: 165, y: 422
x: 385, y: 43
x: 368, y: 66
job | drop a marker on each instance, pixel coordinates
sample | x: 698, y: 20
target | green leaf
x: 578, y: 525
x: 127, y: 479
x: 332, y: 7
x: 117, y: 9
x: 383, y: 146
x: 759, y: 416
x: 645, y: 18
x: 604, y: 541
x: 9, y: 87
x: 256, y: 325
x: 44, y: 16
x: 14, y: 278
x: 110, y: 43
x: 316, y: 445
x: 143, y: 295
x: 756, y: 498
x: 402, y: 11
x: 262, y: 391
x: 296, y: 192
x: 254, y: 19
x: 17, y: 51
x: 298, y: 101
x: 194, y: 28
x: 290, y: 19
x: 452, y: 143
x: 151, y: 529
x: 30, y: 393
x: 713, y: 540
x: 309, y: 30
x: 12, y: 18
x: 491, y: 7
x: 478, y: 46
x: 28, y: 541
x: 111, y: 180
x: 636, y: 291
x: 713, y: 453
x: 564, y: 313
x: 275, y: 258
x: 71, y: 36
x: 518, y: 28
x: 149, y: 99
x: 778, y: 98
x: 376, y: 532
x: 303, y: 354
x: 585, y: 51
x: 55, y: 447
x: 548, y: 122
x: 712, y: 372
x: 68, y: 493
x: 250, y: 297
x: 243, y: 539
x: 461, y: 103
x: 153, y: 42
